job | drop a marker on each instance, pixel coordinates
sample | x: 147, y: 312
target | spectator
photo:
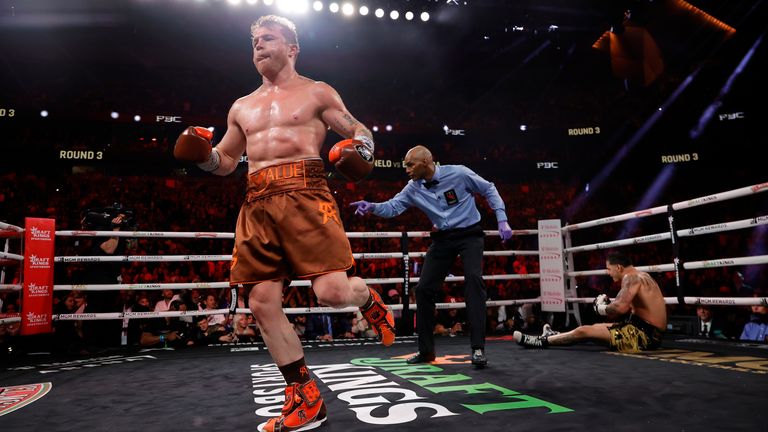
x: 757, y: 328
x: 207, y: 334
x: 242, y: 330
x: 165, y: 331
x: 706, y: 324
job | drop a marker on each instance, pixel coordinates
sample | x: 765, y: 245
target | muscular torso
x: 648, y: 303
x: 282, y: 123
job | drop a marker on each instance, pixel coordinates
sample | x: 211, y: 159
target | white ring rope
x: 11, y: 256
x: 304, y: 283
x: 192, y: 234
x: 715, y: 301
x: 690, y: 265
x: 142, y: 258
x: 688, y: 232
x: 709, y: 199
x: 5, y: 226
x: 181, y: 258
x: 152, y: 234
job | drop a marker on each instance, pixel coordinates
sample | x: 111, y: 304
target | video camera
x: 101, y: 218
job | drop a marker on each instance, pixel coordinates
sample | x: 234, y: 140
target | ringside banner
x: 37, y: 294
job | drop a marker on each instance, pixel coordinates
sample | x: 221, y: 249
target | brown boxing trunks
x: 289, y: 226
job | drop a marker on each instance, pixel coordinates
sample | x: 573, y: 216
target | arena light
x: 137, y: 118
x: 44, y: 113
x: 409, y: 15
x: 251, y: 2
x: 298, y: 6
x: 318, y: 6
x: 347, y: 9
x: 379, y: 13
x: 114, y: 114
x: 269, y: 2
x: 375, y: 128
x: 364, y: 10
x: 388, y: 128
x: 333, y: 7
x: 425, y: 16
x: 234, y: 2
x: 523, y: 127
x: 394, y: 14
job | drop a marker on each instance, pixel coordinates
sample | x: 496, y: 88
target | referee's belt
x: 472, y: 230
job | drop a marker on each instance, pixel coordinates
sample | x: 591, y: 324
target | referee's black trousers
x: 468, y: 243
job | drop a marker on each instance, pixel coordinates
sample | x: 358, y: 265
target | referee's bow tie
x: 431, y: 183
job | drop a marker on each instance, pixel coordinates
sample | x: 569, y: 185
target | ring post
x: 406, y: 322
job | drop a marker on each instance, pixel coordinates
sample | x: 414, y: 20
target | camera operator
x: 107, y: 333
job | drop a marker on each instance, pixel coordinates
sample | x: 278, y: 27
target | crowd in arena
x: 211, y: 204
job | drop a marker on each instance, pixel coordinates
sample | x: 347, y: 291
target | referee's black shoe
x: 421, y: 358
x: 478, y: 358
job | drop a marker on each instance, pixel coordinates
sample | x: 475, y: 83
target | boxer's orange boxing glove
x: 352, y: 158
x: 194, y: 145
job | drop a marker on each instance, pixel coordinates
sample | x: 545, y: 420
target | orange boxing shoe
x: 303, y: 409
x: 380, y: 318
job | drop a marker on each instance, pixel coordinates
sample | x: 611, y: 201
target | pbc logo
x: 167, y: 119
x: 547, y: 165
x: 38, y: 234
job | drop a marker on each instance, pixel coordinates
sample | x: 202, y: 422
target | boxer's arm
x: 623, y: 302
x: 338, y: 118
x: 232, y: 144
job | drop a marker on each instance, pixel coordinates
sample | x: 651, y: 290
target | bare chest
x: 277, y: 109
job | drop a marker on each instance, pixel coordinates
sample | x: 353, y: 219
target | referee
x: 446, y: 195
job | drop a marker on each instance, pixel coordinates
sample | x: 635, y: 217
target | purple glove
x: 505, y: 232
x: 362, y: 208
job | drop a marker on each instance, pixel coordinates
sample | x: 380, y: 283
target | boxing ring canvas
x: 689, y: 384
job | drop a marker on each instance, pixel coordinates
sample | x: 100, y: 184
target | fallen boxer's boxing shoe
x: 530, y: 341
x: 380, y: 318
x: 303, y: 409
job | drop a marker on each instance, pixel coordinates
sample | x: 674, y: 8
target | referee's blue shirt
x: 449, y: 204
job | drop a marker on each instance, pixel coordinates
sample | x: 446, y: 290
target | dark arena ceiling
x: 587, y: 80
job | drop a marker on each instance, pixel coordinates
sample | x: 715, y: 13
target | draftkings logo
x: 38, y: 234
x: 39, y: 263
x: 35, y: 290
x: 367, y: 386
x: 16, y: 397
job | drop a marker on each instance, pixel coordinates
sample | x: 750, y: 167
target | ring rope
x: 11, y: 256
x: 690, y: 265
x: 305, y: 283
x: 716, y: 301
x: 224, y: 235
x: 709, y: 199
x: 181, y: 258
x: 5, y: 226
x: 688, y: 232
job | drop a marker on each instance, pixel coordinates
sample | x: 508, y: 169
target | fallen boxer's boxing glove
x: 352, y: 158
x: 601, y: 304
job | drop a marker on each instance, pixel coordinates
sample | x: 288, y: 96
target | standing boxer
x: 447, y: 195
x: 289, y: 225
